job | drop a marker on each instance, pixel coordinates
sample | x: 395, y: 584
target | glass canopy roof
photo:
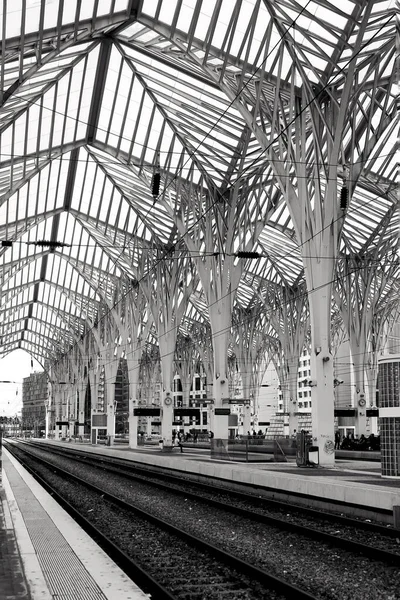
x: 217, y: 97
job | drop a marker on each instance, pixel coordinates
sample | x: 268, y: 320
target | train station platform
x: 355, y: 486
x: 45, y: 555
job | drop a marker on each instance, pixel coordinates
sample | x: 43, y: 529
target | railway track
x: 164, y: 560
x: 333, y: 529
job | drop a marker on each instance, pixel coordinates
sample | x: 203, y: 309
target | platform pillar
x: 219, y: 421
x: 111, y: 409
x: 81, y: 426
x: 166, y: 420
x: 47, y: 423
x: 246, y: 418
x: 81, y: 407
x: 133, y: 424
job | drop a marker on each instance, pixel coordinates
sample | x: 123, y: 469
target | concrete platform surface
x: 60, y: 561
x: 349, y: 482
x: 13, y: 584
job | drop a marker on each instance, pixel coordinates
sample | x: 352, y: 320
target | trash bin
x: 313, y: 455
x: 303, y: 445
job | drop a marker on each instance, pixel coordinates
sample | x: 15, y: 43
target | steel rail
x: 127, y: 564
x: 102, y: 461
x: 268, y: 580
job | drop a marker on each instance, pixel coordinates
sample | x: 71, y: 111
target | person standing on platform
x: 337, y: 440
x: 180, y: 440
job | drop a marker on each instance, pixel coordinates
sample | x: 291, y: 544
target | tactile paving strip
x: 12, y: 581
x: 65, y: 575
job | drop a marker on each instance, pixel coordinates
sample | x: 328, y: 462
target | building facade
x: 34, y: 396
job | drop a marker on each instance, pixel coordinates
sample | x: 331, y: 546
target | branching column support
x: 297, y: 155
x: 203, y: 336
x: 135, y: 327
x: 63, y: 382
x: 108, y: 341
x: 77, y: 388
x: 168, y: 293
x: 73, y: 399
x: 201, y: 332
x: 248, y: 338
x: 288, y: 308
x: 363, y: 294
x: 222, y: 226
x: 93, y: 376
x: 57, y: 408
x: 149, y: 376
x: 185, y: 348
x: 93, y: 368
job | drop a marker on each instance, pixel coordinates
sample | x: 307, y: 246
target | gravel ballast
x: 327, y: 572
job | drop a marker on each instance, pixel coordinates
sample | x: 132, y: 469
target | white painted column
x: 359, y: 401
x: 47, y: 422
x: 133, y: 424
x: 322, y: 377
x: 246, y: 418
x: 167, y: 412
x: 81, y: 409
x: 111, y: 412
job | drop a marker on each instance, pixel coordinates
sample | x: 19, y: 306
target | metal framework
x: 255, y: 114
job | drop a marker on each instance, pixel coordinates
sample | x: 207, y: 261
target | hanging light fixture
x: 344, y: 192
x: 155, y: 182
x: 344, y: 197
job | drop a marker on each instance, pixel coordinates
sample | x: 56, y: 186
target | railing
x: 251, y: 450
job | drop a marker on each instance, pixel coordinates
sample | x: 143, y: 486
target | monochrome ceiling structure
x: 98, y: 95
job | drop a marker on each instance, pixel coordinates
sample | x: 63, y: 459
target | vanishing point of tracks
x: 188, y: 567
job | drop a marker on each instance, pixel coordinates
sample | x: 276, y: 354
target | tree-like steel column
x: 168, y: 287
x: 184, y: 355
x: 149, y: 377
x: 107, y: 333
x: 203, y: 356
x: 248, y: 338
x: 287, y: 309
x: 301, y: 135
x: 224, y: 224
x: 134, y: 331
x: 362, y: 293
